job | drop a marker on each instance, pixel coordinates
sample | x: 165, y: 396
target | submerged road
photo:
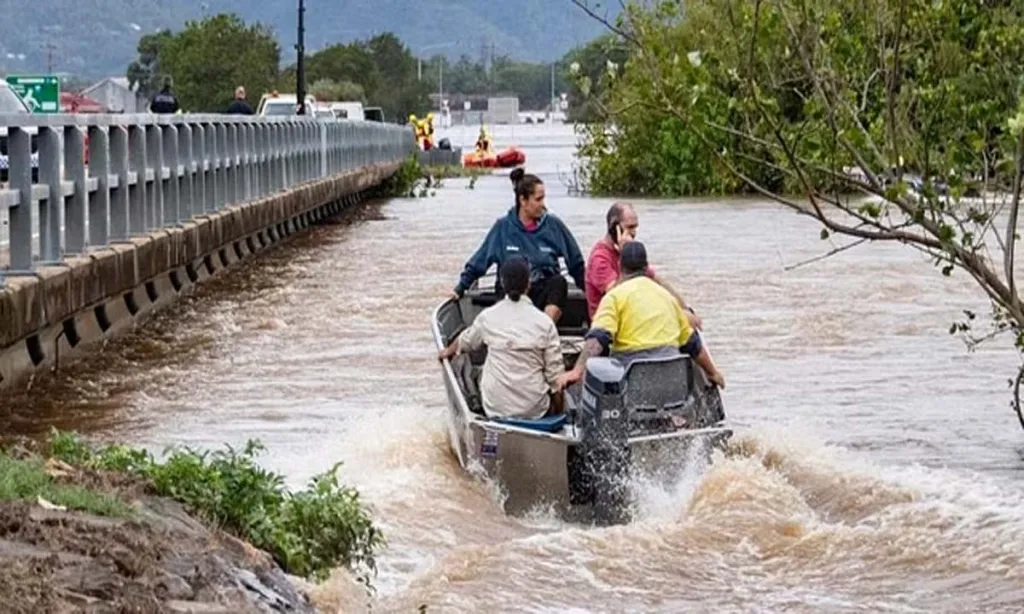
x: 878, y: 466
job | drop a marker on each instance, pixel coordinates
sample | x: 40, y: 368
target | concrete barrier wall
x: 441, y: 157
x: 58, y: 308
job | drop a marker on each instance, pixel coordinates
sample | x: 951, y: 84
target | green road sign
x: 41, y: 93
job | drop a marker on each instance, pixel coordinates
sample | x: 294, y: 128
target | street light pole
x: 300, y: 68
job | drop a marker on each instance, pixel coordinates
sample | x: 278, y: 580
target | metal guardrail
x: 81, y: 181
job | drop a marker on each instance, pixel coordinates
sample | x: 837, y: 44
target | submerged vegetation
x: 308, y: 532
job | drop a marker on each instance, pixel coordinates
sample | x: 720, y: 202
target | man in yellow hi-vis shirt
x: 640, y: 319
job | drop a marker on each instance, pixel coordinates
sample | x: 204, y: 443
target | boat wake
x: 772, y: 524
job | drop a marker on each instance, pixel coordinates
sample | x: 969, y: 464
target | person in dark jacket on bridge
x: 239, y: 106
x: 528, y: 230
x: 164, y: 101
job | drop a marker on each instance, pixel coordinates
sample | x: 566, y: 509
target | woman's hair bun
x: 517, y: 175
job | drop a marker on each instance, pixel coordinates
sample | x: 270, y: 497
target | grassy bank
x: 307, y: 532
x: 31, y: 479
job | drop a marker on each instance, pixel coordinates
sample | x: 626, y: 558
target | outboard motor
x: 604, y: 449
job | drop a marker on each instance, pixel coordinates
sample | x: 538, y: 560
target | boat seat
x: 547, y: 424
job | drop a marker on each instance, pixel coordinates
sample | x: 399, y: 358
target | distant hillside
x: 98, y: 37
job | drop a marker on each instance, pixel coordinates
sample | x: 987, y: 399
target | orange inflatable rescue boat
x: 483, y: 156
x: 510, y: 157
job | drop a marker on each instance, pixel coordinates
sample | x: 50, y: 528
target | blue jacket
x: 542, y: 247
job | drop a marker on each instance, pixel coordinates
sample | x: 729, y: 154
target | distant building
x: 115, y: 94
x: 481, y: 109
x: 503, y: 110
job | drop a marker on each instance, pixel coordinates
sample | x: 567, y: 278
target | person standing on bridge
x: 528, y: 230
x: 164, y: 101
x: 239, y: 106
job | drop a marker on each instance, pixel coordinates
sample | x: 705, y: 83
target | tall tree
x: 145, y: 71
x: 209, y: 58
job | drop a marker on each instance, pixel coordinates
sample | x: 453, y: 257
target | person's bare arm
x: 704, y: 361
x: 450, y: 351
x: 469, y: 340
x: 591, y: 347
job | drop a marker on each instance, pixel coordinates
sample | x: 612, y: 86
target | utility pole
x: 50, y: 48
x: 300, y: 67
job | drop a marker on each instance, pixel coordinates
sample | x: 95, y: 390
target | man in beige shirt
x: 524, y: 353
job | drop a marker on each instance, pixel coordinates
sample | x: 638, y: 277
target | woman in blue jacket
x: 528, y: 230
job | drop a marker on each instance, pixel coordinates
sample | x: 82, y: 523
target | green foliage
x: 504, y: 76
x: 145, y: 70
x: 207, y: 60
x: 410, y: 180
x: 382, y: 66
x: 308, y: 532
x: 741, y: 82
x: 589, y: 68
x: 26, y: 479
x: 917, y: 104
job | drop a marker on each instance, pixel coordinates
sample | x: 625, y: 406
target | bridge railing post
x: 154, y: 176
x: 99, y: 185
x: 50, y: 208
x: 137, y: 209
x: 119, y: 210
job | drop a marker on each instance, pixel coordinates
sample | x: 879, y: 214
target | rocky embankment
x: 156, y: 559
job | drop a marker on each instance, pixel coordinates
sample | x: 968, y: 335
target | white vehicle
x: 280, y: 105
x: 348, y: 110
x: 12, y: 104
x: 322, y: 111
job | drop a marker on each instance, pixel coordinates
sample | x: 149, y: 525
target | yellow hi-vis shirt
x: 640, y: 315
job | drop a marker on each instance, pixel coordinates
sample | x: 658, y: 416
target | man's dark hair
x: 633, y: 258
x: 515, y: 277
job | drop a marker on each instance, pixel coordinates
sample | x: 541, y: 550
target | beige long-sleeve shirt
x: 524, y: 358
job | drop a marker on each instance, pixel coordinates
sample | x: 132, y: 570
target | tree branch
x: 584, y: 5
x: 1011, y: 224
x: 827, y: 255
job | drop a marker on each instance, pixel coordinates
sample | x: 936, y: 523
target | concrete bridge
x: 113, y: 217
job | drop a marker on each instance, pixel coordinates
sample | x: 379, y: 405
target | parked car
x: 275, y: 104
x: 374, y: 114
x: 11, y: 103
x: 347, y: 110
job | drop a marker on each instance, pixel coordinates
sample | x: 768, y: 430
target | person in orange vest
x: 428, y: 132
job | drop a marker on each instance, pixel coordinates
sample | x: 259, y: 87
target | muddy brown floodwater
x: 878, y: 466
